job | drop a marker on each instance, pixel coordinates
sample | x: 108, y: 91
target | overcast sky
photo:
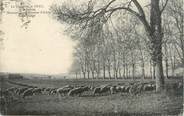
x: 42, y: 48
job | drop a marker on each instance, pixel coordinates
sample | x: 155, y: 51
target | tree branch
x: 164, y: 6
x: 109, y: 4
x: 78, y: 17
x: 125, y: 8
x: 140, y: 9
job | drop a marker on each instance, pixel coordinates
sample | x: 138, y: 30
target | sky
x: 41, y: 48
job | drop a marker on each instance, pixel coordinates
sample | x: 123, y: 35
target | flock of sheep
x: 79, y: 90
x: 69, y: 90
x: 10, y: 94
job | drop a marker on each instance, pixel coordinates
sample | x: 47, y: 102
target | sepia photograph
x: 92, y: 57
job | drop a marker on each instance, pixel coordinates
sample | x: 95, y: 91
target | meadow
x: 169, y: 102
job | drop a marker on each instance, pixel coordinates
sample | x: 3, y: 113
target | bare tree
x: 75, y: 69
x: 83, y: 17
x: 176, y: 12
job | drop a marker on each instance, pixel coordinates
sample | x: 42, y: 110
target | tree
x: 176, y: 12
x: 75, y: 69
x: 82, y: 16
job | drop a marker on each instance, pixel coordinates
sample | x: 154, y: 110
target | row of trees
x: 115, y: 37
x: 111, y: 54
x: 125, y: 55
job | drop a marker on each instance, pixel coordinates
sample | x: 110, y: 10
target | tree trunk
x: 93, y: 74
x: 181, y: 37
x: 76, y: 75
x: 154, y: 65
x: 84, y: 74
x: 88, y: 74
x: 167, y: 68
x: 124, y: 71
x: 80, y: 75
x: 182, y: 44
x: 129, y: 73
x: 124, y: 66
x: 171, y: 60
x: 143, y: 70
x: 109, y: 71
x: 116, y: 73
x: 93, y: 69
x: 142, y: 62
x: 166, y: 61
x: 182, y: 51
x: 133, y: 71
x: 159, y: 76
x: 120, y: 73
x: 98, y: 71
x: 151, y: 72
x: 109, y: 68
x: 115, y: 64
x: 133, y: 65
x: 174, y: 63
x: 104, y: 71
x: 156, y: 43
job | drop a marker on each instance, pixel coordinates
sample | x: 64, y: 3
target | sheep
x: 53, y: 91
x: 113, y: 89
x: 101, y: 90
x: 43, y: 90
x: 125, y: 88
x: 154, y: 86
x: 178, y: 85
x: 7, y: 94
x: 118, y: 88
x: 46, y: 90
x: 17, y: 91
x: 37, y: 91
x: 64, y: 90
x: 105, y: 89
x: 128, y: 88
x: 3, y: 103
x: 92, y: 87
x: 12, y: 89
x: 136, y: 88
x: 97, y: 90
x: 20, y: 91
x: 149, y: 87
x: 74, y: 91
x: 67, y: 86
x: 2, y: 100
x: 78, y: 91
x: 27, y: 92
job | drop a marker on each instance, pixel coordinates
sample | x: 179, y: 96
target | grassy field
x: 147, y: 103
